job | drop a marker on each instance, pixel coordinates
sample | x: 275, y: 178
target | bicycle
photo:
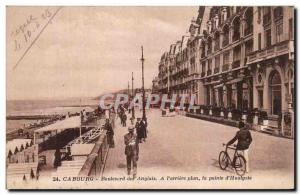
x: 238, y: 162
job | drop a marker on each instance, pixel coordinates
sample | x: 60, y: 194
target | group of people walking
x: 136, y: 134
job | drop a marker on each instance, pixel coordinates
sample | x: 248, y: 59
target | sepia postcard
x: 150, y: 97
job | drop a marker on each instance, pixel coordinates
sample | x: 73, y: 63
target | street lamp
x: 143, y: 88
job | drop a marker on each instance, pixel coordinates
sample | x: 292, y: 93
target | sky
x: 86, y: 51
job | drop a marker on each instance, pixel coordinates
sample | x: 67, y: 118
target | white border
x: 5, y: 3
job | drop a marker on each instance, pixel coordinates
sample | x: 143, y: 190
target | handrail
x: 91, y: 159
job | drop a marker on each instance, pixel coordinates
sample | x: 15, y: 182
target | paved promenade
x: 181, y: 148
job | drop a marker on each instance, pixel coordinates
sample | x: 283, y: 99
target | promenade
x: 181, y: 152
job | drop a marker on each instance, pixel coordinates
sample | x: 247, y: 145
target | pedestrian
x: 124, y: 119
x: 109, y: 133
x: 244, y: 138
x: 131, y: 151
x: 57, y: 158
x: 143, y: 129
x: 139, y: 130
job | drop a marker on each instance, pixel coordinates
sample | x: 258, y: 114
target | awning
x: 68, y: 123
x: 234, y: 81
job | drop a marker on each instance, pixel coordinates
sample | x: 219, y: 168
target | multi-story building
x: 240, y: 58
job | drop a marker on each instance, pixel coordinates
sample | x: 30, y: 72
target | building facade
x: 238, y: 59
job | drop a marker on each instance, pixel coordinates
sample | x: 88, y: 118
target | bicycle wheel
x: 239, y: 165
x: 223, y: 160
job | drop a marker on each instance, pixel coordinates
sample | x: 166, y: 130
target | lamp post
x: 132, y: 95
x: 143, y: 89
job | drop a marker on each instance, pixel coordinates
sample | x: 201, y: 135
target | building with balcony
x: 238, y: 59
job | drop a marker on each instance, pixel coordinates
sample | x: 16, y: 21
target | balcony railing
x: 216, y: 70
x: 236, y: 64
x: 275, y: 50
x: 209, y: 72
x: 225, y: 67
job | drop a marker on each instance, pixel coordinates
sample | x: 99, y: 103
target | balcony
x: 202, y: 74
x: 236, y: 64
x: 275, y: 50
x: 209, y: 72
x: 225, y: 67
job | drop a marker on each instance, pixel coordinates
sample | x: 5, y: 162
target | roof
x: 68, y: 123
x: 11, y: 145
x: 81, y: 149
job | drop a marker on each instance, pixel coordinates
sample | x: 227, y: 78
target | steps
x: 18, y: 170
x: 69, y: 168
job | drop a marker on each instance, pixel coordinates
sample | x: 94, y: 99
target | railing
x: 96, y: 160
x: 280, y: 48
x: 236, y: 64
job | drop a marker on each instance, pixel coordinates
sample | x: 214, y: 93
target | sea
x: 44, y: 107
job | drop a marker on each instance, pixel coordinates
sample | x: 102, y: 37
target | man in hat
x: 131, y: 150
x: 138, y: 130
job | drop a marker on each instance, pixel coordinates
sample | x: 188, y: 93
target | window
x: 279, y: 32
x: 236, y: 30
x: 259, y: 41
x: 226, y: 58
x: 217, y: 61
x: 267, y: 15
x: 217, y: 41
x: 217, y: 64
x: 225, y: 36
x: 249, y: 47
x: 291, y: 29
x: 203, y: 67
x: 268, y: 38
x: 278, y: 13
x: 258, y: 15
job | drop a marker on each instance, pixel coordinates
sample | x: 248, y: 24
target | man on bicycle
x: 244, y: 140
